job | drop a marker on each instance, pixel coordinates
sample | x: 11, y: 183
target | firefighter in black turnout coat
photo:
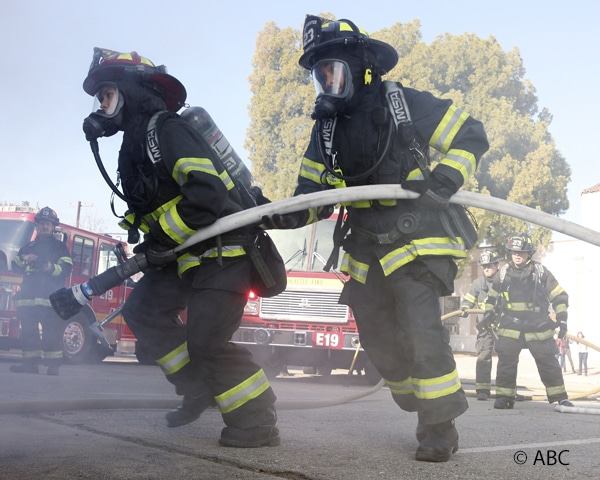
x: 181, y: 188
x: 399, y: 254
x: 45, y: 263
x: 519, y: 302
x: 475, y: 298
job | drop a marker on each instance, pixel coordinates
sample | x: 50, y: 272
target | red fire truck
x: 305, y: 325
x: 85, y: 339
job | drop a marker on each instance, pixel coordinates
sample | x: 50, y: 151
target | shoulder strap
x: 152, y: 145
x: 502, y: 273
x: 396, y: 100
x: 153, y: 150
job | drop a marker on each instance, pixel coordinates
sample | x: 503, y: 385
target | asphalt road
x: 67, y: 427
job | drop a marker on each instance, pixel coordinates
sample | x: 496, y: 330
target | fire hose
x: 67, y: 302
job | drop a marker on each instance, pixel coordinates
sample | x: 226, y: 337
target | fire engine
x: 87, y: 336
x: 305, y: 325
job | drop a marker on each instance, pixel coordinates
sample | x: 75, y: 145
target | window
x: 82, y: 255
x: 107, y: 259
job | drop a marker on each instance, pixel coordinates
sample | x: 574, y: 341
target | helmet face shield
x: 107, y: 100
x: 332, y: 77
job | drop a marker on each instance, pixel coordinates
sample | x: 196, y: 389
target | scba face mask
x: 333, y: 82
x: 105, y: 120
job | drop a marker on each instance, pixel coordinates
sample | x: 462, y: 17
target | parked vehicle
x: 85, y: 339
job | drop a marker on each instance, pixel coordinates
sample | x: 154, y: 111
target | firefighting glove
x: 435, y: 191
x: 41, y: 266
x: 286, y: 221
x: 562, y: 329
x: 158, y: 247
x: 465, y: 312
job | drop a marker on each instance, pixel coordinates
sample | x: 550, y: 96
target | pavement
x: 367, y: 438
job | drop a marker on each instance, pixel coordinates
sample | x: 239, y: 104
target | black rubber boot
x: 504, y: 403
x: 440, y: 442
x: 264, y: 435
x: 28, y: 366
x: 190, y: 410
x: 482, y: 395
x: 53, y: 366
x: 421, y: 432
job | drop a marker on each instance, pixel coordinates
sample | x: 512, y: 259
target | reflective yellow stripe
x: 174, y: 226
x: 539, y: 336
x: 185, y: 262
x: 33, y: 302
x: 448, y: 128
x: 507, y: 332
x: 430, y: 388
x: 427, y: 388
x: 556, y: 292
x: 404, y: 387
x: 28, y: 354
x: 242, y: 393
x: 53, y: 355
x: 505, y: 392
x: 357, y: 270
x: 462, y: 161
x: 416, y: 174
x: 422, y: 246
x: 311, y: 170
x: 175, y: 360
x: 184, y: 166
x: 559, y: 390
x: 561, y: 308
x: 228, y: 251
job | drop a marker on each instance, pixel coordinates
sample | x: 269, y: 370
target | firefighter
x: 45, y: 263
x: 475, y: 298
x: 399, y: 254
x: 168, y: 199
x: 520, y: 298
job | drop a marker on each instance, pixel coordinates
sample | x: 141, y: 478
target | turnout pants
x: 543, y: 351
x: 484, y: 347
x: 400, y: 328
x: 198, y: 357
x: 51, y: 341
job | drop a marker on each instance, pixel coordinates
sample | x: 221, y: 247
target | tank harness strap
x: 339, y: 233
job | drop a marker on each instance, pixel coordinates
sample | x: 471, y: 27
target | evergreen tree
x: 523, y: 164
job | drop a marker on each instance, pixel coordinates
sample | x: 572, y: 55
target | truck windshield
x: 13, y: 235
x: 306, y: 248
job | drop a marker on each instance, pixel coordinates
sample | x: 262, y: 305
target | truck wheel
x: 79, y: 343
x: 373, y: 376
x: 272, y: 366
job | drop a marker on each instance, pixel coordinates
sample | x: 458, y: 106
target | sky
x: 47, y: 50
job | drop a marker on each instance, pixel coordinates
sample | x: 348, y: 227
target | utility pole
x: 79, y: 205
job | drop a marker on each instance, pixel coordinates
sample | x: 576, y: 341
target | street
x: 107, y: 421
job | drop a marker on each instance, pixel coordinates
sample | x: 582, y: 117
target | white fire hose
x: 254, y: 216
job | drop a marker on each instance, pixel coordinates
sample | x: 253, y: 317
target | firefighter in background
x: 169, y: 200
x: 399, y: 254
x: 45, y: 263
x: 475, y: 298
x: 518, y: 304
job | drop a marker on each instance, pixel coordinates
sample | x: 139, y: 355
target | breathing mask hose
x: 96, y: 152
x: 68, y: 303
